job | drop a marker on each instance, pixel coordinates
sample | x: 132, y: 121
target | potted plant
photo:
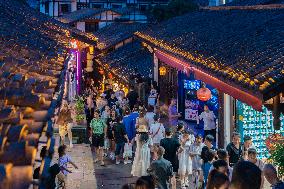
x: 79, y: 110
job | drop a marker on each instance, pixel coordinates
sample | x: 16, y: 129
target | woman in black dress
x: 110, y: 123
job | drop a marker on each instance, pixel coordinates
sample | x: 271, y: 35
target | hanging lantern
x: 110, y: 76
x: 101, y: 71
x: 203, y: 94
x: 74, y: 44
x: 163, y: 70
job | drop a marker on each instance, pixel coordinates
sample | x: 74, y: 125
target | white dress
x: 185, y: 162
x: 142, y: 157
x: 157, y: 131
x: 149, y: 116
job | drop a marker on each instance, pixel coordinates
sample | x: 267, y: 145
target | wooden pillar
x: 220, y: 125
x: 276, y: 113
x: 228, y: 125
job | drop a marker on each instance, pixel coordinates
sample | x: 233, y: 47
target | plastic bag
x: 106, y: 144
x: 127, y: 150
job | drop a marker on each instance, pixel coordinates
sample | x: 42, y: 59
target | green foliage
x: 277, y: 157
x: 174, y: 8
x: 79, y: 117
x: 79, y: 108
x: 79, y: 104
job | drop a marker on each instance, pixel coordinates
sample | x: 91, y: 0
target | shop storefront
x: 241, y: 117
x: 174, y: 83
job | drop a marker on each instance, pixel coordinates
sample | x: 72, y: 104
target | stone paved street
x: 83, y: 177
x: 91, y: 175
x: 113, y: 176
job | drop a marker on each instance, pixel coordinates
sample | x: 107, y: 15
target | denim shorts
x: 119, y: 147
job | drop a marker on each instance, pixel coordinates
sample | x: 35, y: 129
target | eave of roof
x: 130, y: 59
x: 185, y: 43
x: 80, y: 15
x: 115, y: 33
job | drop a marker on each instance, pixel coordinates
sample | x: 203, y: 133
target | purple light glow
x: 78, y: 71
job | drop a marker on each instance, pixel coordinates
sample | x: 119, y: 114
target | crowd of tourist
x: 164, y: 152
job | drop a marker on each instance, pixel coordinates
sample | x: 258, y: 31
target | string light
x: 210, y: 62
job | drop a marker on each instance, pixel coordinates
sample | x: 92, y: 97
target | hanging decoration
x: 272, y: 140
x: 203, y: 94
x: 101, y: 71
x: 74, y: 44
x: 110, y: 76
x: 163, y: 70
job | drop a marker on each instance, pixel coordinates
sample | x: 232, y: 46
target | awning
x: 250, y: 99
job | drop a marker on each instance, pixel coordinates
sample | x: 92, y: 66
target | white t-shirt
x: 208, y: 119
x: 259, y: 164
x: 157, y: 131
x: 149, y: 116
x: 196, y: 159
x: 62, y: 162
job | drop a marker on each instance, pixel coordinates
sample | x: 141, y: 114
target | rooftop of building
x: 80, y: 15
x: 253, y: 2
x: 239, y: 45
x: 128, y: 60
x: 33, y: 48
x: 116, y: 32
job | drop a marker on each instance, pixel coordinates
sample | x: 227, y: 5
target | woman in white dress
x: 185, y: 162
x: 149, y: 116
x: 142, y: 154
x: 157, y: 130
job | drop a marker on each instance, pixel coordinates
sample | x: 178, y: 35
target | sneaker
x: 125, y: 162
x: 117, y: 162
x: 129, y: 161
x: 186, y: 183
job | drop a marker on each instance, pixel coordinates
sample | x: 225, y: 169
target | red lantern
x: 110, y: 76
x: 203, y: 94
x: 101, y: 72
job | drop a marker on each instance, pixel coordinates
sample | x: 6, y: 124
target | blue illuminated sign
x: 192, y: 84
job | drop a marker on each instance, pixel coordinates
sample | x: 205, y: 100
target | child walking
x: 63, y: 160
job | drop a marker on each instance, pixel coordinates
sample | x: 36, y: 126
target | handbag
x: 127, y: 150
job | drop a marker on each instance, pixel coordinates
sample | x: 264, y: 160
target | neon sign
x: 192, y: 84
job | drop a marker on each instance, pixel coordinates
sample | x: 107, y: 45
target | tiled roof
x: 129, y: 59
x: 80, y: 14
x: 32, y: 52
x: 115, y: 33
x: 244, y: 47
x: 253, y: 2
